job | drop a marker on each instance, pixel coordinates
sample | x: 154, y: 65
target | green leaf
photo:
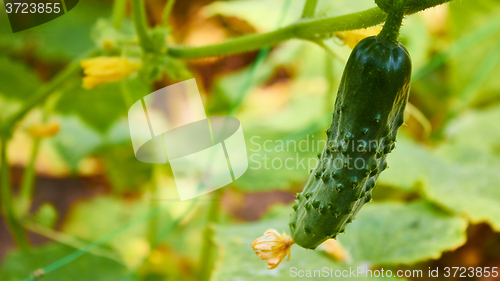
x: 69, y: 35
x: 125, y: 172
x: 91, y: 220
x: 46, y: 215
x: 402, y: 233
x: 462, y: 173
x: 277, y: 162
x: 19, y: 265
x: 465, y: 188
x: 409, y: 164
x: 76, y: 140
x: 477, y: 83
x: 276, y: 138
x: 17, y: 81
x: 102, y: 106
x: 382, y: 234
x: 99, y: 107
x: 127, y: 226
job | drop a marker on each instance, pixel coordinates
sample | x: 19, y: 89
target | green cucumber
x: 369, y: 109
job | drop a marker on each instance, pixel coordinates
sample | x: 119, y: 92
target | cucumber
x: 369, y: 109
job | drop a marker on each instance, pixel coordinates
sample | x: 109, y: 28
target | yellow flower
x: 352, y: 37
x: 334, y: 249
x: 102, y: 70
x: 44, y: 130
x: 272, y: 247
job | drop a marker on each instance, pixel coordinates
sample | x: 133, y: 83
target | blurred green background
x: 438, y: 205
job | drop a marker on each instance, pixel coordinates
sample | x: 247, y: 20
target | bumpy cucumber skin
x: 369, y: 106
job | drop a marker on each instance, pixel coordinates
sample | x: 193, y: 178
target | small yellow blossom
x: 334, y: 249
x: 44, y: 130
x: 352, y: 37
x: 272, y: 247
x: 102, y: 70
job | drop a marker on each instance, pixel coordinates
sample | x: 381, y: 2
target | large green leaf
x: 462, y: 173
x: 402, y: 233
x: 19, y: 265
x: 409, y: 164
x: 382, y: 234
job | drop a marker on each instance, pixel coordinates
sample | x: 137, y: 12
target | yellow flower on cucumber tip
x: 102, y: 70
x: 273, y: 247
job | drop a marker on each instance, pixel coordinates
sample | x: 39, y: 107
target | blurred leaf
x: 93, y: 219
x: 98, y: 108
x: 102, y: 106
x: 96, y: 218
x: 107, y: 37
x: 417, y: 40
x: 382, y: 234
x: 278, y: 163
x: 46, y: 215
x: 462, y: 173
x: 467, y: 17
x: 93, y: 118
x: 409, y: 164
x: 157, y: 65
x: 63, y: 38
x: 17, y: 81
x: 19, y: 265
x: 125, y: 172
x: 75, y: 140
x: 402, y: 233
x: 17, y: 84
x: 281, y: 118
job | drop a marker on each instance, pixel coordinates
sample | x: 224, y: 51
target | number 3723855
x: 470, y: 271
x: 33, y: 8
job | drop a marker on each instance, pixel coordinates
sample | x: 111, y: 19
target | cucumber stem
x: 390, y: 31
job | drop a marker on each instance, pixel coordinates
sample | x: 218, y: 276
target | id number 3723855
x: 470, y: 271
x: 33, y: 8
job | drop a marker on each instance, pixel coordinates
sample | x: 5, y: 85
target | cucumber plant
x: 369, y: 109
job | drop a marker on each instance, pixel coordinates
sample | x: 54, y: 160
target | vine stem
x: 390, y: 31
x: 167, y: 11
x: 27, y: 187
x: 118, y: 12
x: 28, y: 182
x: 303, y: 29
x: 207, y: 256
x: 309, y: 8
x: 7, y: 208
x: 141, y: 26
